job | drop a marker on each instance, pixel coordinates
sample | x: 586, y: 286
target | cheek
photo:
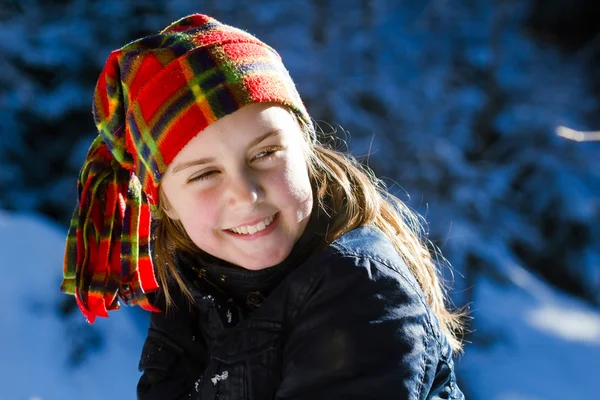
x: 294, y: 183
x: 198, y: 213
x: 300, y: 184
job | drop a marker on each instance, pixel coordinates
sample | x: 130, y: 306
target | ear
x: 171, y: 213
x: 168, y: 210
x: 165, y: 207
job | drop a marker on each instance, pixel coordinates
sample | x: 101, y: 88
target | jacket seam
x: 423, y: 367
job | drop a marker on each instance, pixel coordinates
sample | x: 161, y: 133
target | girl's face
x: 241, y: 189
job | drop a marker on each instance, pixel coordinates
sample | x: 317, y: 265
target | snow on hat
x: 153, y: 96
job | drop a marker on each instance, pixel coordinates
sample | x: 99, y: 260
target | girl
x: 280, y: 268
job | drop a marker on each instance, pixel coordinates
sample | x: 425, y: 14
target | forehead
x: 240, y: 128
x: 252, y: 119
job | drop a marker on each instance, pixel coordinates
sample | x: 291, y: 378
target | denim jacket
x: 351, y: 322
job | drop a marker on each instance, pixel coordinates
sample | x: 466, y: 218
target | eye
x: 266, y: 153
x: 203, y: 176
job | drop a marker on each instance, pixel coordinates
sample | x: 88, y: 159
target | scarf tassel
x: 108, y: 255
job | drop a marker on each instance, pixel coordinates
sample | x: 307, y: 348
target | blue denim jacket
x: 349, y: 323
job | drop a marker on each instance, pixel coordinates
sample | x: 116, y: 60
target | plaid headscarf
x: 153, y: 96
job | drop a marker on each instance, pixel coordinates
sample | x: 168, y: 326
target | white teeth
x: 250, y: 230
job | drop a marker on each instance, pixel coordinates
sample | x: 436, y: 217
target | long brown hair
x: 351, y: 195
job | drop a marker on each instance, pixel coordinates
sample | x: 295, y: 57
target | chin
x: 264, y: 263
x: 257, y: 267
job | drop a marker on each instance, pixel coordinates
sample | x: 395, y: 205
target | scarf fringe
x: 108, y: 254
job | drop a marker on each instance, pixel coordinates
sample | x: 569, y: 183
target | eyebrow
x: 206, y: 160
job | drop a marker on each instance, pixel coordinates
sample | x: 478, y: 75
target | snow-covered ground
x: 534, y: 342
x: 34, y: 361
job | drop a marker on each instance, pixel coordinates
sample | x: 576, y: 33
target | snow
x: 536, y: 343
x: 36, y: 340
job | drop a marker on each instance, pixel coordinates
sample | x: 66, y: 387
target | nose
x: 244, y: 189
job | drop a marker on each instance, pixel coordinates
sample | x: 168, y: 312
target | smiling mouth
x: 251, y: 230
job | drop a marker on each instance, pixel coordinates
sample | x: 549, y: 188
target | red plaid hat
x: 153, y: 96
